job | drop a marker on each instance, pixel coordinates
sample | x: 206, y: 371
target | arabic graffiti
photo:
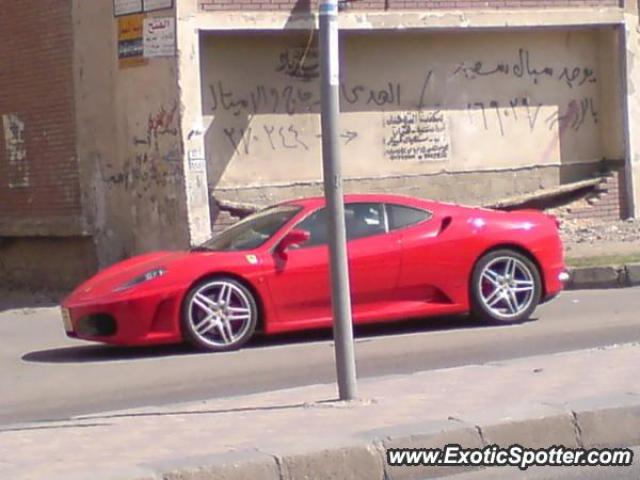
x: 293, y: 99
x: 416, y: 135
x: 287, y: 137
x: 420, y: 110
x: 361, y: 94
x: 287, y: 99
x: 575, y: 115
x: 503, y: 114
x: 145, y: 172
x: 516, y: 109
x: 299, y: 63
x: 524, y: 67
x: 160, y: 123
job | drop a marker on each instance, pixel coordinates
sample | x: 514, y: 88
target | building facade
x: 131, y: 125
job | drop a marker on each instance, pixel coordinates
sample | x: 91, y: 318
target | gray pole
x: 330, y: 110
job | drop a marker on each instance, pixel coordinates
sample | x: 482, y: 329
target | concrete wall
x: 631, y: 68
x: 192, y: 128
x: 414, y: 105
x: 130, y: 142
x: 302, y: 5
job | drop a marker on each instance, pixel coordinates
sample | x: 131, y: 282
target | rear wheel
x: 219, y: 314
x: 505, y: 287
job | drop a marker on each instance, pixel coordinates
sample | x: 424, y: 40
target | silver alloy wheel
x: 507, y: 287
x: 220, y: 313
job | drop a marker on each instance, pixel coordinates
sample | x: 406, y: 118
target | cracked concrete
x: 576, y: 427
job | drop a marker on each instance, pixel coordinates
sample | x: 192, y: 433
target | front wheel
x: 219, y: 314
x: 505, y: 287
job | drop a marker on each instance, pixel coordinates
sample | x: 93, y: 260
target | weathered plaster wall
x: 611, y: 97
x: 129, y: 142
x: 630, y: 49
x: 432, y: 20
x: 148, y: 186
x: 306, y: 5
x: 414, y: 105
x: 192, y: 128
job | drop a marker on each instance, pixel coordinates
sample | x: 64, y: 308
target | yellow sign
x: 130, y: 41
x: 130, y: 27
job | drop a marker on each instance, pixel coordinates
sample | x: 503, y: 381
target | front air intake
x: 100, y: 325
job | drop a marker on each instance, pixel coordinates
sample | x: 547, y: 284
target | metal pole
x: 330, y: 110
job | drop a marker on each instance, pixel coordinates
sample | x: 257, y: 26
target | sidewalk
x: 583, y: 398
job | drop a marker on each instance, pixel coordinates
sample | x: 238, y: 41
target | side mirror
x: 294, y: 237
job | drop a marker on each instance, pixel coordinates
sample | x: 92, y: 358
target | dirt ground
x: 593, y: 238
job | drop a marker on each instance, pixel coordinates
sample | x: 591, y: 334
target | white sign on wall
x: 197, y: 159
x: 159, y: 37
x: 126, y: 7
x: 151, y: 5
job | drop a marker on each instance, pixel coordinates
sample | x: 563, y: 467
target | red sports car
x: 269, y: 272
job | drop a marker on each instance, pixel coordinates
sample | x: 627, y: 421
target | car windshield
x: 252, y: 231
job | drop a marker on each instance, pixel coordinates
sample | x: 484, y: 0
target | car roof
x: 360, y: 197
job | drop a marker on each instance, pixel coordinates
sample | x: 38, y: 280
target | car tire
x: 219, y: 314
x: 505, y: 287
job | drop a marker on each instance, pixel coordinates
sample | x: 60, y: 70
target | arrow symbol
x: 349, y: 136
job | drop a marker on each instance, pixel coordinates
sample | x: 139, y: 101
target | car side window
x: 401, y: 216
x: 361, y: 220
x: 315, y: 225
x: 364, y: 220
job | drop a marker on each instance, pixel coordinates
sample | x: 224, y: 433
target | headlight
x: 145, y: 277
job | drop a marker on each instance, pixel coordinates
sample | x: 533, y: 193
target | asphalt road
x: 44, y: 375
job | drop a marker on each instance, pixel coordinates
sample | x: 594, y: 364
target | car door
x: 300, y: 284
x: 374, y: 259
x: 431, y: 254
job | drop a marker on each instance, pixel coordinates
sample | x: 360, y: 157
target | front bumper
x: 143, y: 320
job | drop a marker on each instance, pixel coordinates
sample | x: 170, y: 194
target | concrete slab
x: 608, y: 420
x: 467, y: 437
x: 238, y: 465
x: 633, y: 274
x: 361, y: 462
x: 594, y: 277
x: 534, y: 432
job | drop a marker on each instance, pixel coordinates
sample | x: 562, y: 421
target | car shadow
x: 104, y: 353
x: 363, y: 334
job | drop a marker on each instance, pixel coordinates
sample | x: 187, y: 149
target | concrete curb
x: 584, y: 278
x: 585, y: 424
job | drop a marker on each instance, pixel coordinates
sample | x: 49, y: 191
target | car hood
x: 108, y: 280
